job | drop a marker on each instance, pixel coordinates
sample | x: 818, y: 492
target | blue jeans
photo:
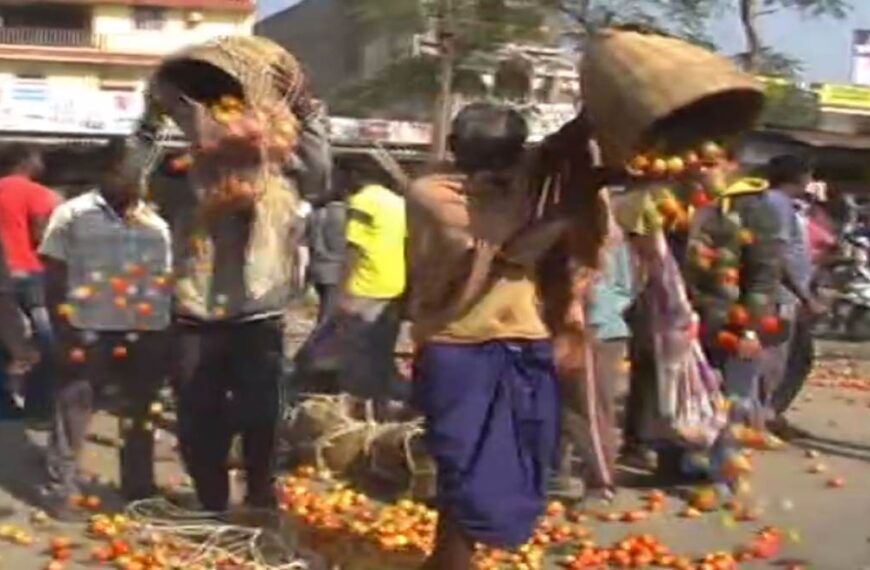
x: 30, y: 293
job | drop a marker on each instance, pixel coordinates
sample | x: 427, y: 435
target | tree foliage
x: 480, y: 27
x: 476, y: 24
x: 790, y: 106
x: 686, y: 19
x: 761, y: 58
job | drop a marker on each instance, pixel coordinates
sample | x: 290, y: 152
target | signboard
x: 34, y: 105
x: 347, y: 130
x: 40, y: 107
x: 789, y: 104
x: 542, y: 120
x: 850, y: 96
x: 843, y: 97
x: 861, y: 57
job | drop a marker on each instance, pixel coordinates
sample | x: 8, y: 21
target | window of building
x: 45, y: 15
x: 29, y: 88
x: 149, y: 17
x: 118, y: 85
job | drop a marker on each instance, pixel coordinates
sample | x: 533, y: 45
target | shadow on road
x: 804, y: 439
x: 828, y: 446
x: 21, y: 471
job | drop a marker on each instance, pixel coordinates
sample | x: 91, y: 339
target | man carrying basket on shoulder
x: 485, y: 374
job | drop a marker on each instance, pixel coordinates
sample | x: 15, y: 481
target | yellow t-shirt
x: 377, y: 227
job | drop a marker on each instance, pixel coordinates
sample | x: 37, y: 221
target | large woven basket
x: 644, y: 91
x: 253, y: 68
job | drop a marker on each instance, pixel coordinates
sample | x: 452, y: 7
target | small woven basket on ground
x: 648, y: 92
x: 424, y: 477
x: 341, y: 452
x: 390, y: 452
x: 370, y: 557
x: 325, y: 431
x: 397, y: 455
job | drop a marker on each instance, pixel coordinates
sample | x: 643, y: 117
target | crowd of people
x: 498, y: 404
x: 114, y: 291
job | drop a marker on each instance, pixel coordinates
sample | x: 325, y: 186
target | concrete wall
x: 115, y: 23
x: 320, y: 34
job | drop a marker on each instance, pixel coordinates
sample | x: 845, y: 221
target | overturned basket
x: 644, y: 91
x: 254, y: 69
x: 238, y: 101
x: 264, y: 79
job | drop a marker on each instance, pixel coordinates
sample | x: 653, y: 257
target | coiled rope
x: 208, y: 538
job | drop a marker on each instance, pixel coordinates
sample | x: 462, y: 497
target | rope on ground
x: 206, y: 538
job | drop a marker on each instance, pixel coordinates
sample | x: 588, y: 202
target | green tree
x: 471, y: 27
x: 460, y: 33
x: 686, y: 19
x: 759, y: 58
x: 790, y: 106
x: 467, y: 36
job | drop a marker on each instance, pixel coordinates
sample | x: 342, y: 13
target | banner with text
x: 35, y: 106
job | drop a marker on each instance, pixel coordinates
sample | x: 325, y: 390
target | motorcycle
x: 848, y: 286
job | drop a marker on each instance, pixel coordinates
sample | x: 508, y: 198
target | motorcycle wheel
x: 858, y: 324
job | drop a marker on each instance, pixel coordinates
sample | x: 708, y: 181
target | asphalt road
x: 829, y: 528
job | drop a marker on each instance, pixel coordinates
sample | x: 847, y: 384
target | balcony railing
x: 142, y: 42
x: 50, y: 37
x: 231, y: 5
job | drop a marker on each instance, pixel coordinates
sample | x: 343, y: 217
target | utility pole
x: 444, y: 103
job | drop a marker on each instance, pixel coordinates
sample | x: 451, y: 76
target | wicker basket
x: 317, y: 418
x: 645, y: 91
x: 236, y: 100
x: 253, y: 68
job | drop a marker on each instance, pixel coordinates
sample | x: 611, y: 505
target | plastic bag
x: 690, y: 400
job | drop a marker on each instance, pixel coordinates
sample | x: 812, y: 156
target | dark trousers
x: 799, y: 363
x: 228, y: 382
x: 87, y: 363
x: 353, y: 351
x: 30, y: 294
x: 9, y: 409
x: 642, y: 402
x: 328, y: 294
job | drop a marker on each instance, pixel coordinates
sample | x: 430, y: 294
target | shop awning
x: 820, y: 139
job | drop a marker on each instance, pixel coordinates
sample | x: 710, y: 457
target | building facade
x: 79, y: 66
x: 322, y: 35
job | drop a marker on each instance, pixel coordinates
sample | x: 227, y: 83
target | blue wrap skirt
x: 492, y: 425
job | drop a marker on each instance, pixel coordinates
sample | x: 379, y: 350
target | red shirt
x: 22, y: 200
x: 820, y: 237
